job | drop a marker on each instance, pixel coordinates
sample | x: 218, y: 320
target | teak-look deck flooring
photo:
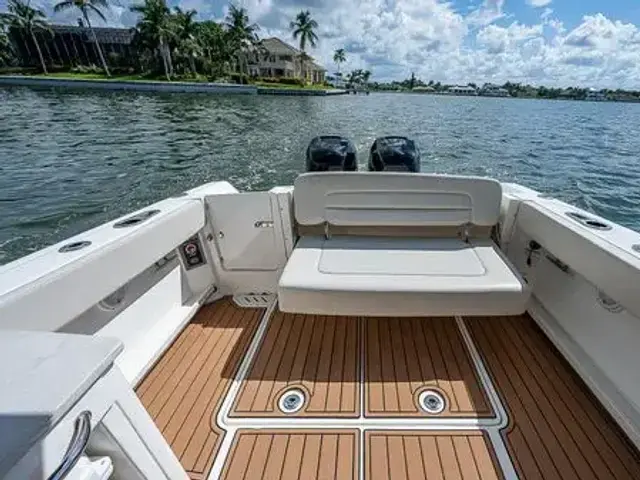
x: 184, y: 390
x: 410, y: 455
x: 406, y: 355
x: 320, y: 355
x: 556, y: 428
x: 293, y: 454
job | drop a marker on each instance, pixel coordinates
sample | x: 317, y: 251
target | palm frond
x: 99, y: 3
x: 97, y: 11
x: 64, y: 5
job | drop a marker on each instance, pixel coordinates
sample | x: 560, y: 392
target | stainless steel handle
x: 81, y: 434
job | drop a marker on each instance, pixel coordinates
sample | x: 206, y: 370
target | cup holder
x: 135, y: 219
x: 74, y: 246
x: 588, y: 221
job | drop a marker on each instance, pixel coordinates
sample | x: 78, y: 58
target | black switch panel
x: 192, y: 253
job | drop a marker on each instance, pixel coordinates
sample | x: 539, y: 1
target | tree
x: 6, y: 50
x: 339, y: 56
x: 86, y: 6
x: 215, y: 47
x: 24, y: 18
x: 185, y: 33
x: 154, y: 29
x: 243, y: 35
x: 365, y: 76
x: 303, y: 28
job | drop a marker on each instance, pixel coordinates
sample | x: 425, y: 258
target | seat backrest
x: 359, y: 199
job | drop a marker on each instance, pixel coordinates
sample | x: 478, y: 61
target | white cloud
x: 539, y: 3
x: 488, y: 12
x: 546, y: 13
x: 499, y: 39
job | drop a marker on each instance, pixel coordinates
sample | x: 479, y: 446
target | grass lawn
x: 121, y: 78
x: 159, y: 78
x: 291, y: 87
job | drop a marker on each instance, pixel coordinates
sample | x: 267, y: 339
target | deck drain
x: 431, y: 402
x: 291, y: 401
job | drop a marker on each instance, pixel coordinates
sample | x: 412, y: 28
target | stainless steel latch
x: 263, y: 224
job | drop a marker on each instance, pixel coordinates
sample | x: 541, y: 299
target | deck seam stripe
x: 330, y: 362
x: 231, y: 343
x: 280, y: 325
x: 362, y: 375
x: 187, y: 389
x: 193, y: 333
x: 536, y: 461
x: 200, y: 342
x: 474, y: 374
x: 575, y: 393
x: 502, y: 454
x: 284, y: 458
x: 406, y: 358
x: 430, y: 353
x: 473, y: 457
x: 527, y: 389
x: 232, y: 393
x: 438, y: 331
x: 276, y: 369
x: 538, y: 379
x: 456, y: 363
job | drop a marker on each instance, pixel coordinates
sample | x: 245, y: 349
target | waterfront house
x: 336, y: 81
x: 491, y: 90
x: 594, y: 95
x: 69, y: 45
x: 278, y: 59
x: 462, y: 90
x: 423, y: 89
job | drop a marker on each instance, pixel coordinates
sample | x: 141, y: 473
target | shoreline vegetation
x: 165, y: 45
x: 506, y: 90
x: 171, y: 45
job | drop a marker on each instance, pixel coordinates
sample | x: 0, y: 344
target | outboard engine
x: 394, y: 154
x: 331, y: 153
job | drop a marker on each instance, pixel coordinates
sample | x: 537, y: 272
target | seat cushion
x: 379, y: 276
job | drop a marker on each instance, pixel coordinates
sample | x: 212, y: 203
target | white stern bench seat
x: 398, y: 244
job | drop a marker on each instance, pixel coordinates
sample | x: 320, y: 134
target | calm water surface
x: 70, y: 161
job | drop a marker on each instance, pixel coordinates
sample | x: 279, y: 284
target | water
x: 73, y: 160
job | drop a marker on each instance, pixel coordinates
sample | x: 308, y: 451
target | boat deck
x: 513, y: 405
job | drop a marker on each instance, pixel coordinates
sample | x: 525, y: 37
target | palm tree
x: 6, y: 52
x: 25, y: 18
x: 186, y: 31
x: 339, y: 56
x: 242, y: 34
x: 365, y: 76
x: 155, y: 29
x: 303, y: 27
x: 215, y: 47
x: 86, y: 6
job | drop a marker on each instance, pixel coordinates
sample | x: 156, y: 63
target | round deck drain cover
x: 431, y: 402
x: 291, y: 401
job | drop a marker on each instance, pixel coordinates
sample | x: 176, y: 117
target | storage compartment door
x: 244, y: 231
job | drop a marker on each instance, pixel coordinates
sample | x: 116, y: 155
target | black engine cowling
x: 331, y: 153
x: 394, y: 154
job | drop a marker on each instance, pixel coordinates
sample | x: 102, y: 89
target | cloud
x: 546, y: 13
x: 539, y: 3
x: 488, y: 12
x: 500, y: 39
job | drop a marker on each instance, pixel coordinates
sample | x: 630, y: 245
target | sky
x: 542, y: 42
